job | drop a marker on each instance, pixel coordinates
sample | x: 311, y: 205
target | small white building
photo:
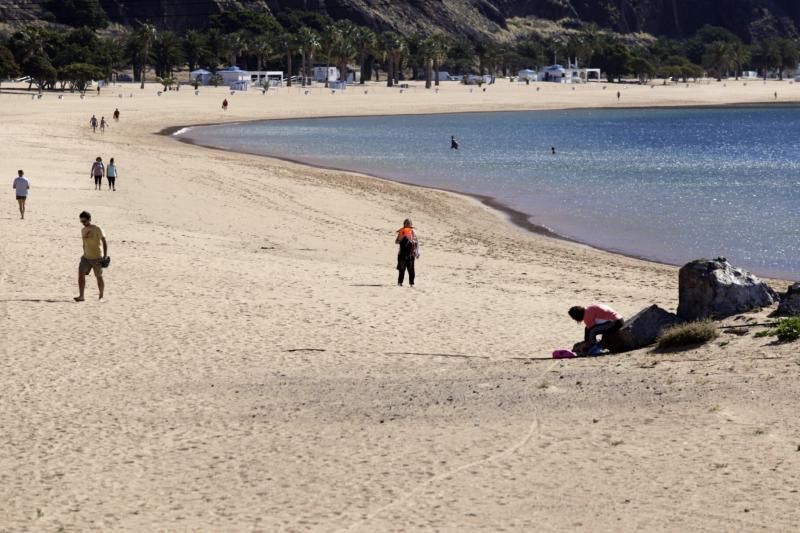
x: 201, y: 76
x: 325, y: 74
x: 749, y: 74
x: 527, y: 75
x: 570, y: 74
x: 231, y: 75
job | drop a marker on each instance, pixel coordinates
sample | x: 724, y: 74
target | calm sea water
x: 670, y: 184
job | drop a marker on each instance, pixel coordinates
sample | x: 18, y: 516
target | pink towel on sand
x: 563, y: 354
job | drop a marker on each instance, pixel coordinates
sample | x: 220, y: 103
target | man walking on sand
x: 21, y: 186
x: 95, y: 252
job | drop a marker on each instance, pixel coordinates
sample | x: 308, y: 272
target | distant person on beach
x: 225, y: 104
x: 98, y: 89
x: 21, y: 185
x: 111, y: 174
x: 93, y: 123
x: 599, y: 320
x: 776, y: 95
x: 95, y: 253
x: 407, y: 253
x: 116, y: 115
x: 553, y: 150
x: 619, y: 95
x: 103, y: 125
x: 453, y: 143
x: 98, y: 172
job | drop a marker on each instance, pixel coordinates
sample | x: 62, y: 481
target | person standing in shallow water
x: 453, y: 143
x: 407, y: 253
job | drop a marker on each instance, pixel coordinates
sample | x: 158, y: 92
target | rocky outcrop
x: 716, y: 289
x: 790, y: 302
x: 749, y: 19
x: 641, y: 330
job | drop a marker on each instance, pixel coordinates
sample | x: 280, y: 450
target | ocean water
x: 666, y: 184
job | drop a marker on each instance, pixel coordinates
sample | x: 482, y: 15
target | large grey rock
x: 790, y: 302
x: 641, y: 330
x: 716, y: 289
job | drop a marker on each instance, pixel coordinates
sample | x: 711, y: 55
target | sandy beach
x: 254, y: 367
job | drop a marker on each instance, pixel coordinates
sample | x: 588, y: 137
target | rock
x: 716, y: 289
x: 790, y: 302
x: 641, y: 330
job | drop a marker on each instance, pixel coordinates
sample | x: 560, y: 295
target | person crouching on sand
x: 407, y: 253
x: 600, y: 320
x: 95, y: 252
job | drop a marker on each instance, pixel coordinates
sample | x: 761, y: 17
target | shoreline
x: 516, y: 217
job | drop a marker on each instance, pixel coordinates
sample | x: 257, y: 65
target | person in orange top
x: 600, y: 320
x: 407, y: 253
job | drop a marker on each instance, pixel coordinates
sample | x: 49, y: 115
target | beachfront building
x: 201, y: 76
x: 569, y: 74
x: 527, y: 75
x: 235, y: 75
x: 325, y: 73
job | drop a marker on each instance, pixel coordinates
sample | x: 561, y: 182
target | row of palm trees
x: 339, y: 44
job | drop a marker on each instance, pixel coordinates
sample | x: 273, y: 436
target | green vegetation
x: 787, y: 330
x: 688, y: 335
x: 294, y: 41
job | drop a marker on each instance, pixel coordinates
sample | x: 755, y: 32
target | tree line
x: 295, y: 41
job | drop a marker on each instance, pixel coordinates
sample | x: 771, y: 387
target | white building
x: 570, y: 74
x: 325, y: 74
x: 231, y: 75
x: 527, y: 75
x: 201, y: 76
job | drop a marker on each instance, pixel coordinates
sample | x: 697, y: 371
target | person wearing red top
x: 407, y: 254
x: 600, y: 320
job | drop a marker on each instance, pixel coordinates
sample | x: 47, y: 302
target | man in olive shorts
x: 95, y: 250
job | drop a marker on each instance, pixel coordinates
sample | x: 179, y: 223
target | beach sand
x: 254, y: 367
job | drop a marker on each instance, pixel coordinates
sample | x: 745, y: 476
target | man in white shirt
x: 21, y: 186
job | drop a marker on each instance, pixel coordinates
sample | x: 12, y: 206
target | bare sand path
x: 255, y: 368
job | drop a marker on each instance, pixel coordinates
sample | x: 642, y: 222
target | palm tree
x: 217, y: 46
x: 427, y: 53
x: 309, y: 44
x: 719, y: 58
x: 740, y: 54
x: 393, y: 48
x: 767, y: 55
x: 344, y: 50
x: 144, y: 37
x: 327, y: 44
x: 167, y: 53
x: 789, y: 55
x: 195, y: 47
x: 441, y: 47
x: 365, y: 42
x: 289, y: 44
x: 262, y: 48
x: 236, y: 45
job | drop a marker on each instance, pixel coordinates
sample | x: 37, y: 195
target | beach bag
x: 418, y: 250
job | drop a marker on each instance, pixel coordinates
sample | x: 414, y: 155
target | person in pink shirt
x: 600, y: 320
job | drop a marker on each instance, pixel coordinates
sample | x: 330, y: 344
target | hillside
x: 749, y: 19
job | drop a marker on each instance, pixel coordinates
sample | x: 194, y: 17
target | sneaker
x: 596, y: 350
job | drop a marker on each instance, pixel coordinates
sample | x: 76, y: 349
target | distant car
x: 124, y: 77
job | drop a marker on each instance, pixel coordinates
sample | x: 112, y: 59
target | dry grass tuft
x: 688, y: 335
